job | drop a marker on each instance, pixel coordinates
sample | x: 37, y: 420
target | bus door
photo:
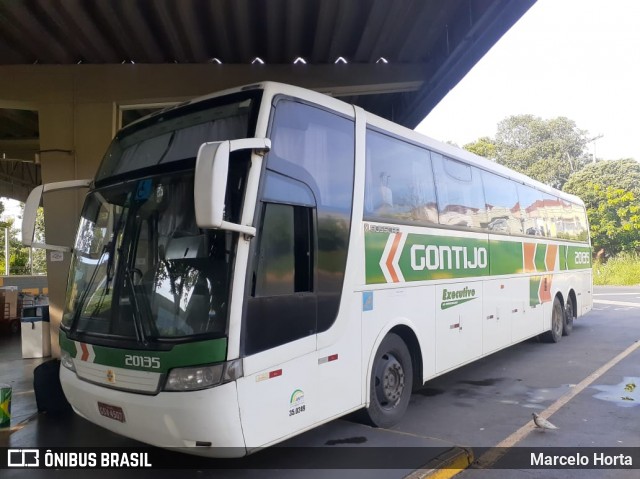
x: 296, y: 271
x: 280, y: 328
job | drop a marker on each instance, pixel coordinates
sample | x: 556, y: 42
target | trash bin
x: 36, y: 341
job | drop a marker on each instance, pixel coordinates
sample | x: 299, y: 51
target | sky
x: 12, y: 209
x: 574, y: 58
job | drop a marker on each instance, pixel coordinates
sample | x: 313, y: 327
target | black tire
x: 14, y: 326
x: 569, y: 315
x: 557, y: 321
x: 391, y: 382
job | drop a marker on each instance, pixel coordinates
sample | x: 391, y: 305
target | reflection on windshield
x: 142, y: 269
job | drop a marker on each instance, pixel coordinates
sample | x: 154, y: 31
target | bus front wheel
x: 557, y: 323
x: 391, y: 382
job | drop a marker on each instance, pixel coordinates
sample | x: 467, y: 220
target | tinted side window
x: 399, y: 181
x: 282, y: 307
x: 460, y: 194
x: 275, y: 274
x: 503, y: 210
x: 316, y: 147
x: 580, y: 215
x: 532, y: 211
x: 574, y: 223
x: 553, y: 212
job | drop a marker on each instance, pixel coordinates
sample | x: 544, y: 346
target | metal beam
x: 455, y: 61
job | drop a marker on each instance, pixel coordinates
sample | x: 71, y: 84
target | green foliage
x: 615, y: 219
x: 547, y: 150
x: 611, y: 192
x: 39, y: 256
x: 483, y: 146
x: 622, y: 270
x: 18, y: 254
x: 623, y: 174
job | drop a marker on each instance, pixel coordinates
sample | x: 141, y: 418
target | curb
x: 445, y: 465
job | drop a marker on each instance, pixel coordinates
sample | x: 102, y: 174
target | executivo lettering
x: 454, y: 298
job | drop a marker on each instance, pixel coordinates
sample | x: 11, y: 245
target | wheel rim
x: 569, y: 310
x: 389, y: 381
x: 557, y: 319
x: 567, y: 319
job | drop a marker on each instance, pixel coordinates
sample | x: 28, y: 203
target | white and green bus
x: 257, y: 262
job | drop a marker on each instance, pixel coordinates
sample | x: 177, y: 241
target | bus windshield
x: 174, y: 135
x: 142, y: 271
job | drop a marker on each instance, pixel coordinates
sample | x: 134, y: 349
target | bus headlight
x: 202, y: 377
x: 67, y: 361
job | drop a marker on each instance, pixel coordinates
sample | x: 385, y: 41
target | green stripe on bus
x: 374, y: 244
x: 563, y: 257
x: 505, y: 257
x: 181, y: 355
x: 534, y: 290
x: 421, y: 257
x: 66, y: 344
x: 441, y: 257
x: 578, y: 257
x: 541, y: 251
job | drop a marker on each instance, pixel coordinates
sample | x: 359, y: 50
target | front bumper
x: 168, y: 419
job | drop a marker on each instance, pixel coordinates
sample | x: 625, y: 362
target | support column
x: 84, y: 130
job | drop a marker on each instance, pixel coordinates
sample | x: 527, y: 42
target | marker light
x: 67, y: 361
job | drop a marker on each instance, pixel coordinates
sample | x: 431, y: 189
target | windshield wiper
x: 142, y: 315
x: 79, y: 305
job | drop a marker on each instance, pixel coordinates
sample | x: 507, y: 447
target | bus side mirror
x: 210, y: 182
x: 31, y: 210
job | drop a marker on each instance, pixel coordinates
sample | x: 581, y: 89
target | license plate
x: 112, y: 412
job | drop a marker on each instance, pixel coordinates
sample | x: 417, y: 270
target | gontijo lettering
x: 434, y: 257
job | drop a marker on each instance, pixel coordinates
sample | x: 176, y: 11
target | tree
x: 38, y: 255
x: 547, y: 150
x: 17, y: 260
x: 19, y: 254
x: 611, y: 193
x: 3, y: 225
x: 624, y: 173
x: 483, y: 146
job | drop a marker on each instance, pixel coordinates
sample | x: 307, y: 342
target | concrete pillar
x: 84, y: 130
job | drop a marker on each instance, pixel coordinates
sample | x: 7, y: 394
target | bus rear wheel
x: 569, y: 314
x: 557, y: 323
x: 391, y: 382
